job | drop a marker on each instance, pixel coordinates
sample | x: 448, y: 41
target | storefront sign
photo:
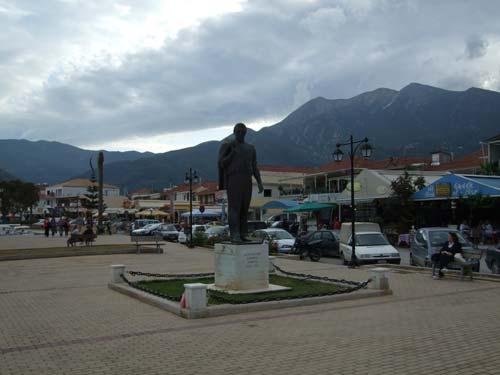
x: 443, y: 190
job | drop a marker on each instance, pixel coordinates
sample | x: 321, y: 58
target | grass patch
x: 300, y: 288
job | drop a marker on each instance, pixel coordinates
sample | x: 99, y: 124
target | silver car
x: 428, y: 241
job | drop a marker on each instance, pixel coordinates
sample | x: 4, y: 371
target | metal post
x: 353, y: 208
x: 190, y: 208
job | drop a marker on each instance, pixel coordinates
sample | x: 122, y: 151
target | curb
x: 227, y: 309
x: 72, y: 253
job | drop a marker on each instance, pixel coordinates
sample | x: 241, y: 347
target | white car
x: 371, y: 245
x: 280, y: 239
x: 147, y: 230
x: 371, y: 248
x: 184, y: 234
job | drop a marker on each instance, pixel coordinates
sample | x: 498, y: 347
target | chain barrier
x: 152, y: 291
x: 224, y: 297
x: 171, y: 275
x: 321, y: 278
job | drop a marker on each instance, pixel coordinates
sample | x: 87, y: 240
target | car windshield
x: 371, y: 239
x: 438, y: 238
x: 150, y: 226
x: 215, y: 230
x: 281, y: 235
x: 169, y: 228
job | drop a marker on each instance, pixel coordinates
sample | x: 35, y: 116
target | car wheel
x: 412, y: 262
x: 314, y: 257
x: 494, y: 267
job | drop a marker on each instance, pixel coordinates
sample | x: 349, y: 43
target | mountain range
x: 413, y: 121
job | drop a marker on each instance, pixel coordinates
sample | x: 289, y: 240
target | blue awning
x: 279, y: 204
x: 206, y: 213
x: 454, y: 186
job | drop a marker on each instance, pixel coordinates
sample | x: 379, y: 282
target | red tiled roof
x: 81, y: 182
x: 280, y: 168
x: 359, y: 162
x: 470, y: 161
x: 142, y: 191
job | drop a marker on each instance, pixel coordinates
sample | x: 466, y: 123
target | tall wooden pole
x: 100, y: 163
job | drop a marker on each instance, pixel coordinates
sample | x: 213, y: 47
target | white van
x: 371, y: 245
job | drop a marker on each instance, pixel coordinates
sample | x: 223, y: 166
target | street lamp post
x: 191, y: 177
x: 366, y: 151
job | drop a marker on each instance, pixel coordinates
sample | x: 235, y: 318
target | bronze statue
x: 237, y: 165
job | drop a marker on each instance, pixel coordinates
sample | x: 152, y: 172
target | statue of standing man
x: 237, y: 165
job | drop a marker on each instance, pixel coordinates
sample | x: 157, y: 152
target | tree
x: 92, y: 195
x: 490, y: 169
x: 399, y: 210
x: 17, y: 196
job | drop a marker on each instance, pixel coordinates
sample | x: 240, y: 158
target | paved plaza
x: 59, y: 317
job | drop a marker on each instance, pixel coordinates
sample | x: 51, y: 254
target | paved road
x: 59, y: 317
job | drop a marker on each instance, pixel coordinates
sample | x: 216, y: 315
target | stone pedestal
x: 380, y: 278
x: 196, y: 296
x: 241, y: 266
x: 116, y: 271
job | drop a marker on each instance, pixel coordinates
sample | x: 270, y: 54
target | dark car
x: 169, y: 232
x: 254, y: 225
x: 428, y: 241
x: 493, y: 259
x: 326, y: 241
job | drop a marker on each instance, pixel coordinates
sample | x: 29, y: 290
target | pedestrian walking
x: 53, y: 226
x: 46, y: 227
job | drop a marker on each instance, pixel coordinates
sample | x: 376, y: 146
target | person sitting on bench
x: 446, y: 254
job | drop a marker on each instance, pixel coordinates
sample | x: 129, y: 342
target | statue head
x: 239, y: 131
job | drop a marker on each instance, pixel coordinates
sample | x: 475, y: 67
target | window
x: 268, y: 192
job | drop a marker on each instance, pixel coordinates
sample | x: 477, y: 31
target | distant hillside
x: 52, y: 162
x: 414, y: 121
x: 5, y: 176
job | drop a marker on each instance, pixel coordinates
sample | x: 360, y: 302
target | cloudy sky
x: 154, y: 75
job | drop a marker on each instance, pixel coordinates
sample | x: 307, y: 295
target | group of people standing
x: 62, y: 227
x: 482, y: 232
x: 52, y: 227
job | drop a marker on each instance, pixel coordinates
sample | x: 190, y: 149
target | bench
x: 87, y: 238
x: 471, y: 259
x: 148, y: 240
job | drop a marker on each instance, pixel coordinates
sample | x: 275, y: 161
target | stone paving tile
x: 58, y: 317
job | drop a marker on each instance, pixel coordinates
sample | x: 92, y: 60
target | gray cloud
x: 475, y: 47
x: 259, y: 63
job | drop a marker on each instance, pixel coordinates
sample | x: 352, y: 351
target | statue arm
x: 256, y: 172
x: 226, y: 155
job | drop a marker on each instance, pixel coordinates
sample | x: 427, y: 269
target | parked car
x: 147, y: 230
x: 428, y: 241
x: 140, y: 223
x: 493, y: 259
x: 372, y: 245
x: 281, y: 217
x: 280, y: 239
x: 197, y: 228
x: 169, y: 232
x: 254, y: 225
x: 216, y: 233
x: 325, y: 241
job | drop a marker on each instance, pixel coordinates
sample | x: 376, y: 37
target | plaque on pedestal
x: 241, y: 266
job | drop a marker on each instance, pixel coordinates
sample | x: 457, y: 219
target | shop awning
x: 206, y: 213
x: 279, y: 204
x: 454, y: 186
x: 310, y: 206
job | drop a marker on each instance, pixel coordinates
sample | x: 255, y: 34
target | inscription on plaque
x: 252, y: 260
